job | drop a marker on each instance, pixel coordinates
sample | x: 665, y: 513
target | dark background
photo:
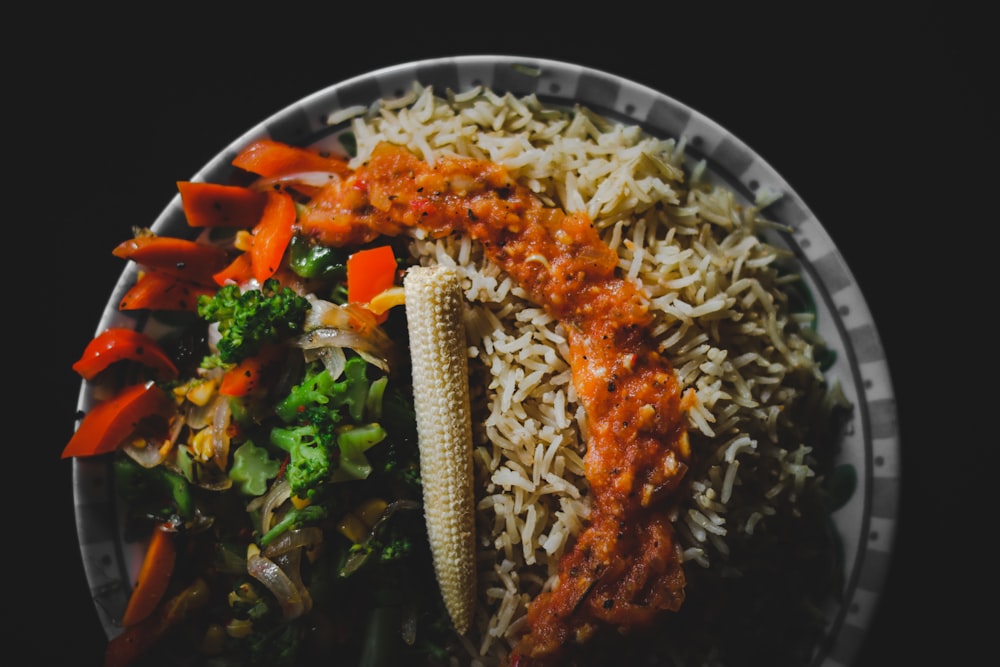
x: 880, y: 121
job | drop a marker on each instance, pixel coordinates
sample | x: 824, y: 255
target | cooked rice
x: 721, y: 317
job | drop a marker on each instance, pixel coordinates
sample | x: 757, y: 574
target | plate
x: 865, y: 523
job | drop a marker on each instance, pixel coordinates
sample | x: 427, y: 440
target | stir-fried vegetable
x: 312, y: 260
x: 216, y: 205
x: 160, y: 493
x: 272, y: 234
x: 275, y: 159
x: 158, y: 291
x: 106, y: 427
x: 138, y: 640
x: 180, y: 258
x: 253, y: 468
x: 154, y: 576
x: 251, y: 373
x: 117, y: 344
x: 268, y: 456
x: 370, y: 272
x: 248, y: 319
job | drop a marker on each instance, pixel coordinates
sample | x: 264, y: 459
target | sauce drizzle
x: 624, y: 568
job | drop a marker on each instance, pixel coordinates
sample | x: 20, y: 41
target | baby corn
x: 434, y: 303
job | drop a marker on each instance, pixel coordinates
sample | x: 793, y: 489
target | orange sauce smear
x: 624, y: 568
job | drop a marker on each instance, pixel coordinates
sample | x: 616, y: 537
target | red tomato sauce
x: 624, y: 569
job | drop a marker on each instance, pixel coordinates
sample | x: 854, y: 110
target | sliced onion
x: 279, y: 492
x: 200, y: 416
x: 297, y: 538
x: 291, y: 564
x: 154, y: 451
x: 374, y: 360
x: 221, y: 482
x: 221, y: 417
x: 267, y: 572
x: 350, y: 317
x: 149, y: 455
x: 332, y: 357
x: 374, y: 348
x: 330, y: 337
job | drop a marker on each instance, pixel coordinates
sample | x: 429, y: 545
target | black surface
x: 880, y: 121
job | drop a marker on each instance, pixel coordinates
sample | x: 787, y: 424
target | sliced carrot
x: 154, y: 577
x: 116, y: 344
x: 158, y: 291
x: 215, y: 205
x: 181, y: 258
x: 272, y: 235
x: 106, y: 426
x: 271, y: 159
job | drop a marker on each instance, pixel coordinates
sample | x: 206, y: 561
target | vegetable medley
x: 266, y: 445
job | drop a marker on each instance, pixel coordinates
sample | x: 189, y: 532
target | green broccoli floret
x: 321, y: 452
x: 392, y: 539
x: 352, y: 443
x: 396, y: 549
x: 250, y: 319
x: 311, y: 448
x: 252, y: 468
x: 324, y: 435
x: 313, y: 412
x: 320, y: 389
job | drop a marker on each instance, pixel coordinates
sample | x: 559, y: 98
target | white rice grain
x: 719, y: 317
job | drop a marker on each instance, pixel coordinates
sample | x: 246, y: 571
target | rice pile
x: 722, y: 319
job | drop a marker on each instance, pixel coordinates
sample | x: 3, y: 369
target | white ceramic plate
x: 866, y: 523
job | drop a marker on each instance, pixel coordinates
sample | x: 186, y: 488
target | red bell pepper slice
x: 251, y: 373
x: 117, y: 344
x: 370, y: 272
x: 272, y: 235
x: 154, y: 577
x: 272, y: 159
x: 137, y: 640
x: 157, y: 291
x: 181, y: 258
x: 106, y: 426
x: 215, y: 205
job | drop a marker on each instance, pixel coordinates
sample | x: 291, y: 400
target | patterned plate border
x: 872, y: 440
